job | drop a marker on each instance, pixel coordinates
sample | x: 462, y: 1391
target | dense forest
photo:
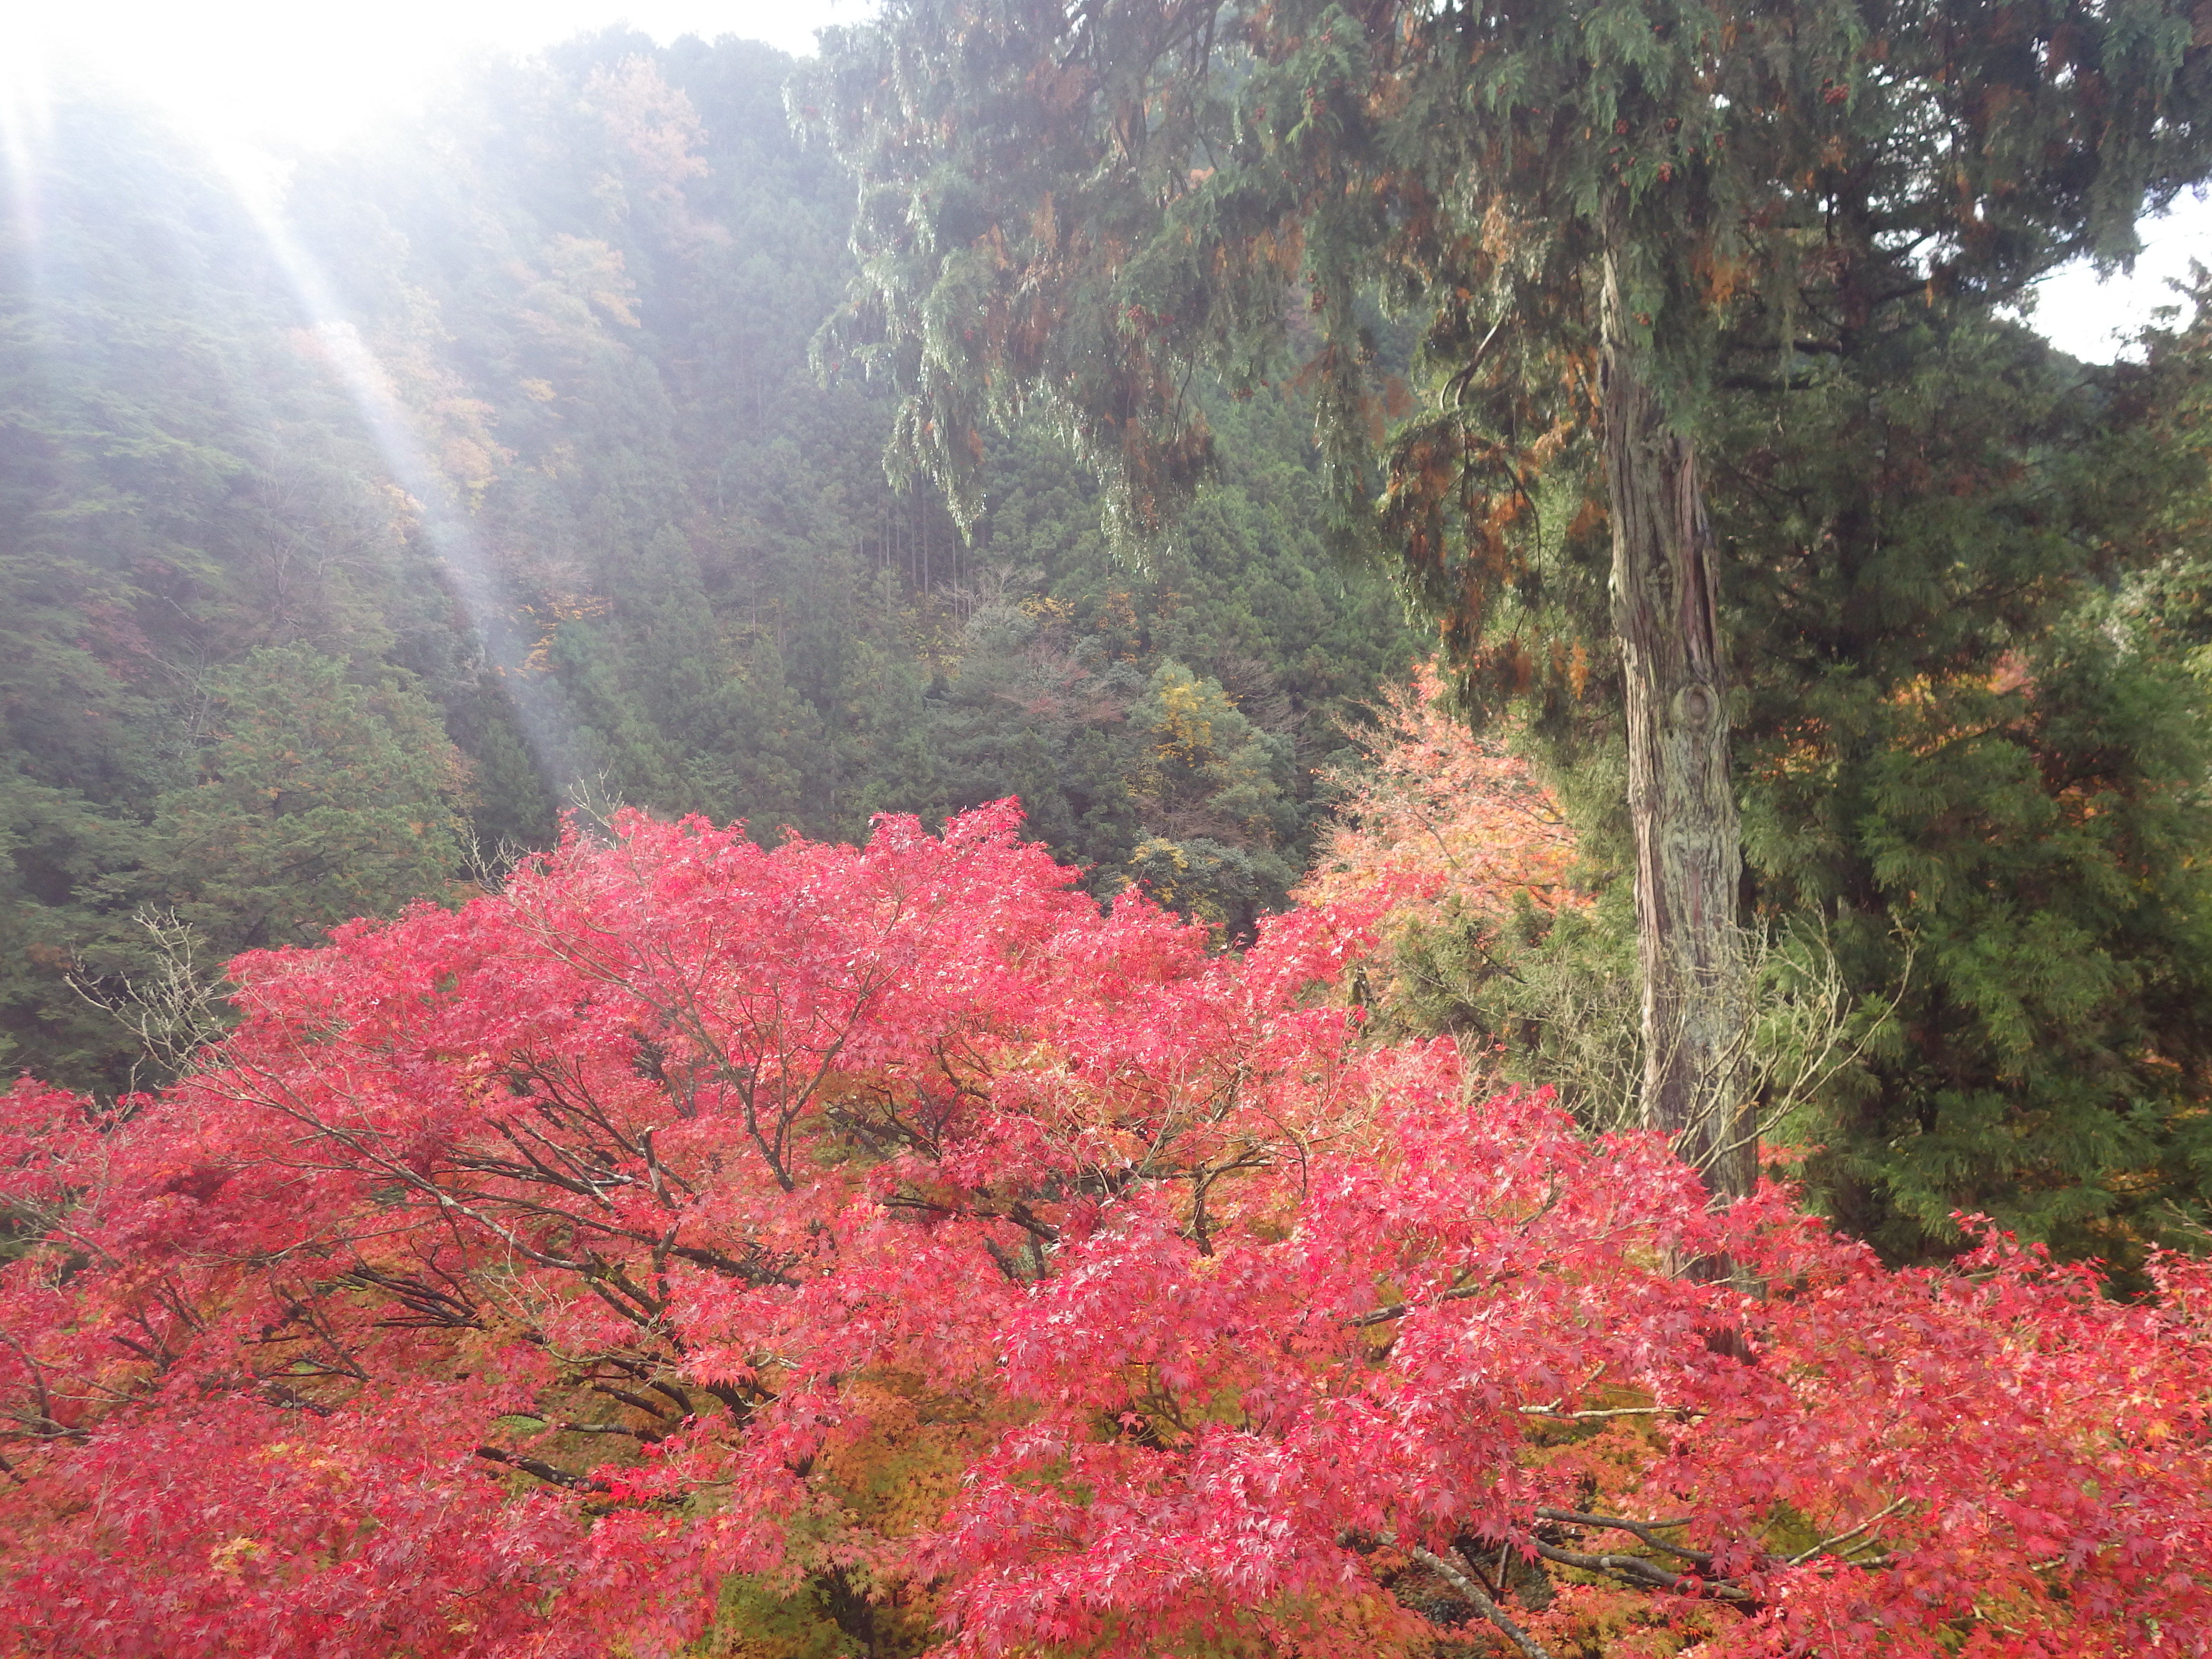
x: 1675, y: 358
x: 1285, y: 829
x: 497, y: 484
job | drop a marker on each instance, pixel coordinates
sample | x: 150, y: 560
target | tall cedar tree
x: 1600, y: 211
x: 1977, y: 782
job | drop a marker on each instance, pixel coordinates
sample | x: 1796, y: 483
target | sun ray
x: 491, y: 607
x: 25, y: 117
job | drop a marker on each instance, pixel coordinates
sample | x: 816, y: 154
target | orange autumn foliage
x: 1442, y: 820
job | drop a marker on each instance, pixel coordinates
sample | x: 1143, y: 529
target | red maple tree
x: 689, y: 1223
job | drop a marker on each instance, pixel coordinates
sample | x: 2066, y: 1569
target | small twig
x: 1610, y: 1411
x: 1826, y: 1544
x: 1596, y: 1372
x: 1399, y: 1309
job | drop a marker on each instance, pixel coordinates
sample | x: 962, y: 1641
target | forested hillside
x: 489, y: 477
x: 641, y: 1037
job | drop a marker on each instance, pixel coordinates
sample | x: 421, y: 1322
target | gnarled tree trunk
x: 1681, y: 802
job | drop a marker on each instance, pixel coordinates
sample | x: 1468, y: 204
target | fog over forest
x: 482, y: 476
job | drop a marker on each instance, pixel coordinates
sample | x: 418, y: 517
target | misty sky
x: 308, y: 71
x: 291, y: 73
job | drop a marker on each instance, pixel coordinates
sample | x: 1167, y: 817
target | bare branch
x: 1645, y: 1530
x: 1465, y: 1584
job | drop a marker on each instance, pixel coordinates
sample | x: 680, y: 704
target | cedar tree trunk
x: 1681, y: 803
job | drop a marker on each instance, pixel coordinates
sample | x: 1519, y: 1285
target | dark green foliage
x: 1972, y: 760
x: 179, y: 486
x: 317, y: 801
x: 731, y: 611
x: 1991, y: 796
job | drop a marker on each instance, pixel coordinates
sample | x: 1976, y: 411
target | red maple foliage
x: 889, y: 1227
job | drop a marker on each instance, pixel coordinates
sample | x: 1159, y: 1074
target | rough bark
x: 1681, y: 803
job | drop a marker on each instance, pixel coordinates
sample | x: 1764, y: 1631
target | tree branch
x: 1645, y: 1530
x: 1644, y: 1574
x: 545, y: 1472
x: 1465, y: 1584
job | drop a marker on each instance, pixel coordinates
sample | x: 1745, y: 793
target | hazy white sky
x: 312, y: 71
x: 292, y: 72
x: 2090, y: 319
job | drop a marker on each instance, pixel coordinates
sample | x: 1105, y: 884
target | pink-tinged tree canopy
x: 692, y: 1239
x: 1438, y: 812
x: 1446, y: 832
